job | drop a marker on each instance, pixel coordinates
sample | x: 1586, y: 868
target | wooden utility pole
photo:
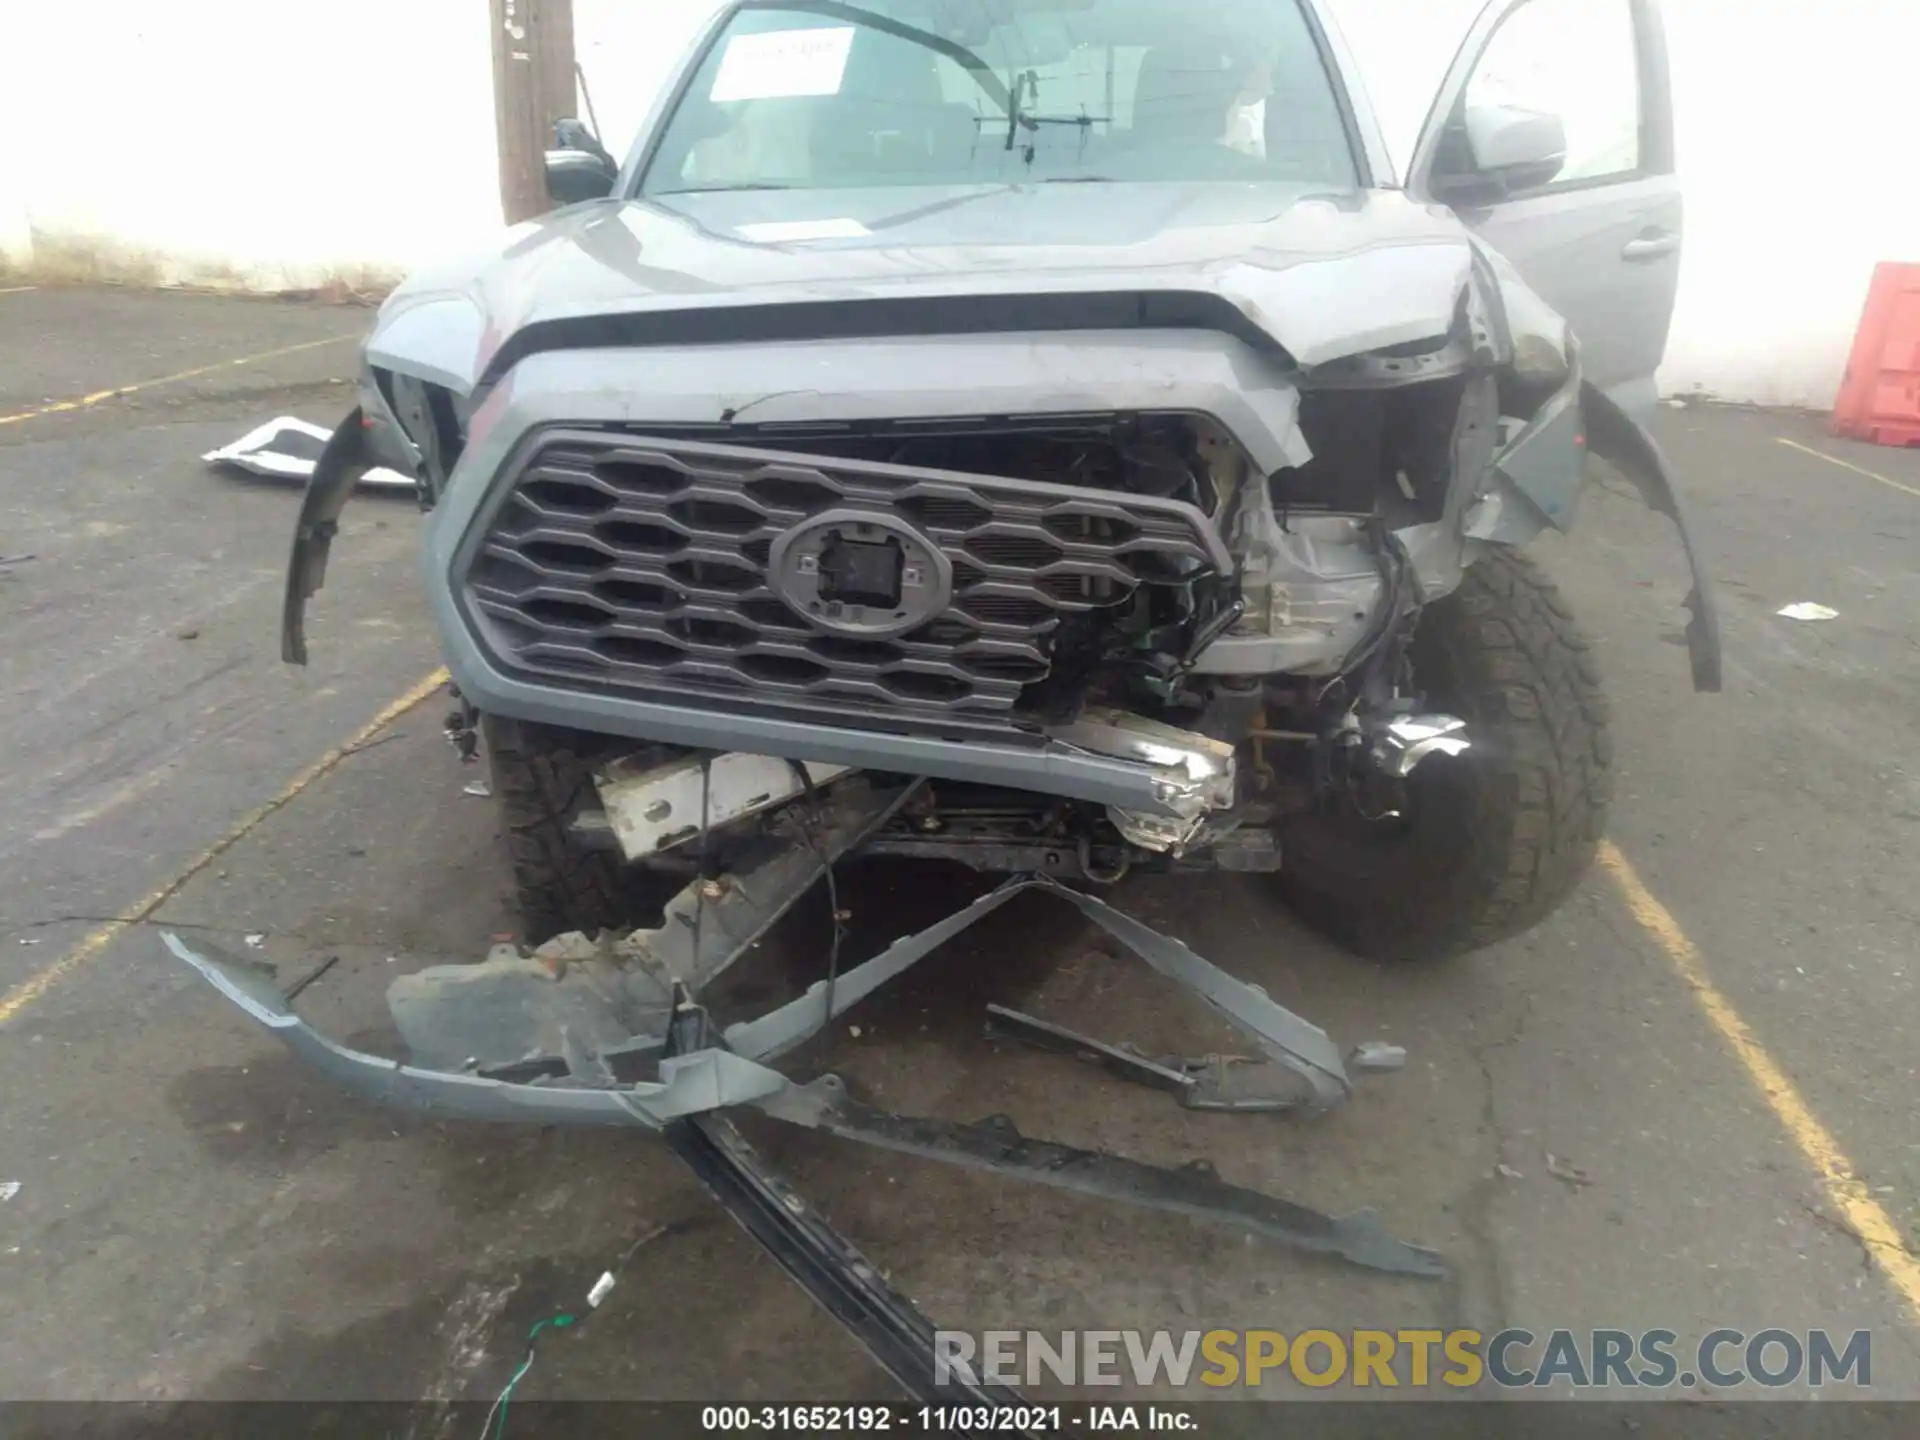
x: 533, y: 86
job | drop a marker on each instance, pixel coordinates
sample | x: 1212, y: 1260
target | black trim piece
x: 840, y: 1279
x: 1193, y: 1190
x: 338, y: 470
x: 1614, y: 435
x: 885, y: 315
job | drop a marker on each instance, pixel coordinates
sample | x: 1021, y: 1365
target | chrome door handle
x: 1650, y: 247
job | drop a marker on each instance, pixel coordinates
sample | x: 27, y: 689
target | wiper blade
x: 981, y: 72
x: 726, y: 189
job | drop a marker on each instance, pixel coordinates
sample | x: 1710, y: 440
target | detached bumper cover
x: 564, y: 1044
x: 694, y: 1088
x: 689, y: 1085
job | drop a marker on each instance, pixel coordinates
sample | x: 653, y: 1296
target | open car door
x: 1595, y: 228
x: 1552, y: 139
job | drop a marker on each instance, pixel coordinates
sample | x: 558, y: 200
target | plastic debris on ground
x: 288, y: 449
x: 1562, y: 1169
x: 1378, y: 1055
x: 1807, y: 610
x: 9, y: 1189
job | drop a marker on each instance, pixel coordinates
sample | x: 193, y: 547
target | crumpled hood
x: 1322, y: 275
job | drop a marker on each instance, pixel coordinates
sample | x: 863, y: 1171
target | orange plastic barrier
x: 1880, y: 397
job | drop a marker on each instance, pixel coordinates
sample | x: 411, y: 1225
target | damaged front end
x: 974, y: 567
x: 1052, y: 585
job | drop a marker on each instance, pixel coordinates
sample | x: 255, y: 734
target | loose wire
x: 558, y: 1322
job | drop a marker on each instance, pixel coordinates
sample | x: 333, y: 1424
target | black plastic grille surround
x: 641, y: 565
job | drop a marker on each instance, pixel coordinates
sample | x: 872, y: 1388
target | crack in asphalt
x: 1840, y: 1227
x: 1474, y: 1204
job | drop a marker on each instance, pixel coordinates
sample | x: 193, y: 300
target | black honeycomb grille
x: 641, y: 565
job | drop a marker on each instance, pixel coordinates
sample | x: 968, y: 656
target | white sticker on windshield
x: 773, y: 232
x: 783, y: 63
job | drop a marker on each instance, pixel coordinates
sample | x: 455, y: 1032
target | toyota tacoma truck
x: 1068, y: 403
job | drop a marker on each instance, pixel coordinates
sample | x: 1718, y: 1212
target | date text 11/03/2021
x: 944, y: 1419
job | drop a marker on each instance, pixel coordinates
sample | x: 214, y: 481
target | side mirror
x: 580, y: 168
x: 1519, y: 149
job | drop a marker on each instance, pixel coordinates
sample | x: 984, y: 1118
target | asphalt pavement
x: 1636, y: 1116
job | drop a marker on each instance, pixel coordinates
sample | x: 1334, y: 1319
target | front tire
x: 542, y: 777
x: 1493, y: 841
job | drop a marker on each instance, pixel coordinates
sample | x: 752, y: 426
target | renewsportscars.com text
x: 1513, y: 1359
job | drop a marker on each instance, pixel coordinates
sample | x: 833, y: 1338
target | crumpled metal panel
x: 644, y: 564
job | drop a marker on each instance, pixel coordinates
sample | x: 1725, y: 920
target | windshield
x: 830, y: 94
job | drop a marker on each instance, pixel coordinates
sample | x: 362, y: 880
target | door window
x: 1576, y: 59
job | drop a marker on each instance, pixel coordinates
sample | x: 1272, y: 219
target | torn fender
x: 1615, y: 436
x: 339, y: 468
x: 1537, y: 474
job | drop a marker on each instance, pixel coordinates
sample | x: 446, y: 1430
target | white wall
x: 1796, y: 152
x: 268, y: 145
x: 1798, y: 148
x: 279, y: 145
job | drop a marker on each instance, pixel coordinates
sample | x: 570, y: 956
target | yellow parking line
x: 1845, y: 1189
x: 84, y: 401
x: 1847, y: 465
x: 31, y: 989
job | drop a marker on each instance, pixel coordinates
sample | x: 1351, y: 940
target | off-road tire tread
x: 1524, y: 678
x: 541, y: 780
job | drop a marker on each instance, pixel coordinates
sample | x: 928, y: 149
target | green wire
x: 558, y: 1322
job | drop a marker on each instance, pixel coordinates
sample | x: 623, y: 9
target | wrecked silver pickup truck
x: 1040, y: 434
